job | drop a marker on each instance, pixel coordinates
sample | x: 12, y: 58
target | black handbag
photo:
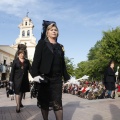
x: 35, y: 89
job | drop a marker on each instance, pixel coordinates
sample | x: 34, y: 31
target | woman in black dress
x: 110, y: 79
x: 49, y: 66
x: 19, y: 77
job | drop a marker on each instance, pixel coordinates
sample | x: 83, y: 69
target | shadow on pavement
x: 69, y: 109
x: 97, y: 117
x: 115, y: 112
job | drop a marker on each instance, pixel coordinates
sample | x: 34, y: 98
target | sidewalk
x: 74, y: 108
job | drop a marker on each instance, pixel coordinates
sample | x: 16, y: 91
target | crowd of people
x: 90, y: 90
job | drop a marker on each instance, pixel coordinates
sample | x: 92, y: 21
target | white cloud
x: 102, y: 19
x: 15, y: 7
x: 15, y: 3
x: 40, y: 9
x: 37, y: 8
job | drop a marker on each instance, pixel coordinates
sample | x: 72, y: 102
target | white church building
x: 26, y: 37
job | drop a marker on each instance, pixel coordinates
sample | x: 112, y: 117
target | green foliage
x: 94, y: 52
x: 69, y: 66
x: 110, y: 44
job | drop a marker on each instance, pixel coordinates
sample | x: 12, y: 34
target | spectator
x: 118, y: 89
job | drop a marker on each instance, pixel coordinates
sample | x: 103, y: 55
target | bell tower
x: 26, y: 36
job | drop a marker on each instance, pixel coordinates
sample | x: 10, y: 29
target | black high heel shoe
x: 21, y: 105
x: 113, y: 97
x: 17, y: 110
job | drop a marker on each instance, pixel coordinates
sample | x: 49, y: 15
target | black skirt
x: 110, y: 85
x: 21, y: 88
x: 50, y: 94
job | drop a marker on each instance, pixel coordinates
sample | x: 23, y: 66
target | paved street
x: 75, y: 108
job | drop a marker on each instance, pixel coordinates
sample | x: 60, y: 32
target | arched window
x: 25, y: 23
x: 23, y: 33
x: 28, y: 33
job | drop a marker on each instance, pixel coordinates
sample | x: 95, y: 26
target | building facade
x: 7, y: 54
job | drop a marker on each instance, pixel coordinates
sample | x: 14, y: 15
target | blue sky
x: 80, y: 22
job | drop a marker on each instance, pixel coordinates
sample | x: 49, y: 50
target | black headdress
x: 21, y: 47
x: 44, y: 27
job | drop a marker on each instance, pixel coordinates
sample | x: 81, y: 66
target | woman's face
x: 112, y: 65
x: 21, y: 55
x: 52, y: 32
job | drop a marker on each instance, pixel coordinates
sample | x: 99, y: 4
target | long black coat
x: 109, y: 75
x: 43, y: 59
x: 109, y: 79
x: 19, y: 76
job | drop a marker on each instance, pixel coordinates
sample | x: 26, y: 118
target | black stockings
x: 45, y: 114
x: 58, y: 114
x: 18, y: 98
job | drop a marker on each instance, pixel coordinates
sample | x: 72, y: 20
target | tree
x: 69, y: 66
x: 110, y: 44
x: 94, y: 52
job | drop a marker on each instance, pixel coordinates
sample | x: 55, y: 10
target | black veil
x: 45, y: 24
x: 21, y: 47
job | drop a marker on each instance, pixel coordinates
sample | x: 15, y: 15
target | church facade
x: 26, y: 37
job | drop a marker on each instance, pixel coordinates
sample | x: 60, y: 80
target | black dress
x: 19, y: 76
x: 50, y: 94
